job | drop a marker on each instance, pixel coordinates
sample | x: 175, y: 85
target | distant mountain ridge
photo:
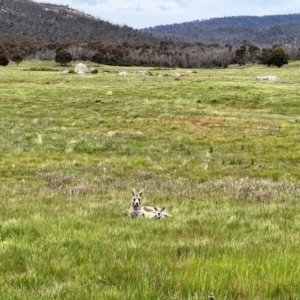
x: 266, y: 30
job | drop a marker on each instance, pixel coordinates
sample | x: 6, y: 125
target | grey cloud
x: 182, y: 3
x: 163, y: 8
x: 136, y: 8
x: 90, y: 2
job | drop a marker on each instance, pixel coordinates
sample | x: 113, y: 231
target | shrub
x: 42, y: 69
x: 17, y: 57
x: 3, y: 57
x: 63, y: 57
x: 274, y: 57
x: 94, y: 71
x: 98, y: 58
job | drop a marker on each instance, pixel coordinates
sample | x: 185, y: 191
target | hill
x: 267, y: 30
x: 59, y: 23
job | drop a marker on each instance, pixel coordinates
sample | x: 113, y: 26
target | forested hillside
x: 58, y: 23
x: 266, y: 30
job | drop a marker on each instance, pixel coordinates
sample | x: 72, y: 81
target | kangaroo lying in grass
x: 156, y: 214
x: 136, y: 209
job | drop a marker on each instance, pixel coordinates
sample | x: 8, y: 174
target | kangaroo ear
x: 141, y: 192
x: 133, y: 192
x: 162, y: 209
x: 155, y: 208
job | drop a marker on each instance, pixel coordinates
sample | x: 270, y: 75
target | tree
x: 17, y: 57
x: 240, y: 55
x: 98, y: 58
x: 253, y: 52
x: 274, y: 57
x: 63, y: 57
x: 3, y: 57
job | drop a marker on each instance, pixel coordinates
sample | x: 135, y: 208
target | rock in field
x: 143, y: 73
x: 81, y: 69
x: 268, y: 77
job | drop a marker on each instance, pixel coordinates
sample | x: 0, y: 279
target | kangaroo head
x: 158, y: 213
x: 136, y: 198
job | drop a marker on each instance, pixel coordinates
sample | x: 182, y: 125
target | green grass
x: 219, y: 149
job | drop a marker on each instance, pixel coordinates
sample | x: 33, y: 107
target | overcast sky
x: 146, y: 13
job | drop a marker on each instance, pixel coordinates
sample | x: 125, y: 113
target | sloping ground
x: 58, y: 23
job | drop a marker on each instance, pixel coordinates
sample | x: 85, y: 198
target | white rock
x: 143, y: 73
x: 81, y: 69
x: 268, y: 77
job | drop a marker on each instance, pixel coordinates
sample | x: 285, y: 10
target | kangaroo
x: 156, y: 214
x: 136, y: 209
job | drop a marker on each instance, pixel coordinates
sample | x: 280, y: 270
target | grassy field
x: 219, y: 149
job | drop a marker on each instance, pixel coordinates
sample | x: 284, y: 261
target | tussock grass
x: 217, y: 148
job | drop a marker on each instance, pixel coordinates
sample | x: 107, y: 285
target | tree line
x: 165, y: 53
